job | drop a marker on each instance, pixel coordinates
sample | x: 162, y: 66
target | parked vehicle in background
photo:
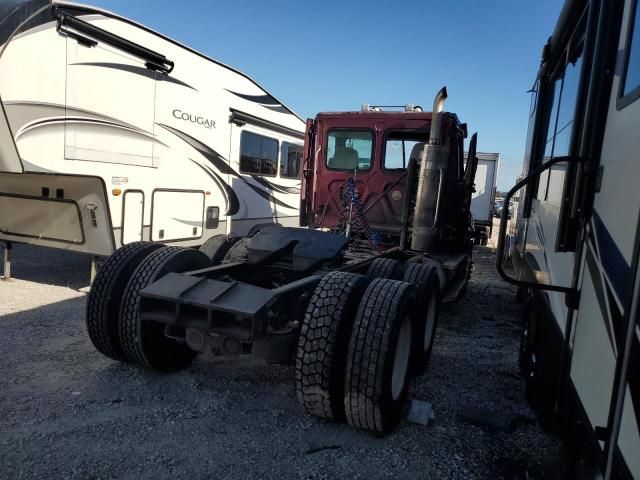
x: 353, y: 299
x: 577, y: 238
x: 113, y: 133
x: 484, y: 194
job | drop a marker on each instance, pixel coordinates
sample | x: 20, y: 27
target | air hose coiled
x: 351, y: 196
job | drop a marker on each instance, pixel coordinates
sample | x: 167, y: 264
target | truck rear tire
x: 378, y: 360
x: 425, y: 279
x: 322, y: 346
x: 217, y: 247
x: 144, y: 342
x: 105, y: 296
x: 384, y: 268
x: 238, y: 250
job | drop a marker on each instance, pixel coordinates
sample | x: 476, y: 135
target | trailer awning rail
x: 154, y: 60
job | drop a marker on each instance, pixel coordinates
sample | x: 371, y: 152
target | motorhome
x: 577, y: 240
x: 111, y: 133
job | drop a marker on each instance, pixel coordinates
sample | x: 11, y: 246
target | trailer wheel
x: 384, y: 268
x: 105, y: 296
x: 144, y: 342
x: 322, y: 347
x: 425, y: 279
x: 238, y: 250
x: 217, y: 247
x: 378, y: 360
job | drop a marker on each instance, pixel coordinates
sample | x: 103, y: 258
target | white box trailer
x: 483, y: 198
x: 576, y: 245
x: 111, y: 133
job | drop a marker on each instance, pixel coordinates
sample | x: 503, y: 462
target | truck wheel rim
x: 430, y: 325
x: 401, y: 359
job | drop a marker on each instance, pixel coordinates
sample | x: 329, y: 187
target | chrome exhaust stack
x: 433, y: 169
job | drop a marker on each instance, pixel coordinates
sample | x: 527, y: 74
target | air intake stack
x: 433, y: 169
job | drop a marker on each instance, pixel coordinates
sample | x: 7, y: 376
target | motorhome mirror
x: 539, y: 276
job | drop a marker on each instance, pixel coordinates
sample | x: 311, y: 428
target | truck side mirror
x: 537, y: 282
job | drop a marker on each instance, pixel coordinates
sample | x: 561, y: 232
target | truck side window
x: 631, y: 81
x: 258, y: 154
x: 349, y: 149
x: 290, y: 161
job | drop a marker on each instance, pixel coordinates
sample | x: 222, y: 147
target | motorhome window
x: 399, y: 147
x: 349, y: 149
x: 290, y: 162
x: 632, y: 75
x: 561, y: 125
x: 258, y: 154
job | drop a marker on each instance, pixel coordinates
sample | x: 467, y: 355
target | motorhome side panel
x: 613, y: 232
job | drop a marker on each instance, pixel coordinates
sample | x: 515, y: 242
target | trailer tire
x: 425, y: 279
x: 238, y: 250
x: 144, y: 342
x: 384, y: 268
x: 217, y: 247
x: 378, y: 371
x: 105, y: 296
x: 322, y: 346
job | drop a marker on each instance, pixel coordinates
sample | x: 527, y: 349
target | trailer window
x: 349, y: 149
x: 631, y: 81
x: 290, y: 161
x: 258, y: 154
x: 399, y: 147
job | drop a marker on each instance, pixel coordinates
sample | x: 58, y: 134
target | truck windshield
x: 349, y: 149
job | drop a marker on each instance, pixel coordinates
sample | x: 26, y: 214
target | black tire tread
x: 129, y: 313
x: 103, y: 301
x: 383, y: 268
x: 420, y: 275
x: 368, y: 353
x: 216, y: 247
x: 238, y: 250
x: 324, y: 335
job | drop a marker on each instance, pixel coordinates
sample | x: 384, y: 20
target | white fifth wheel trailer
x: 484, y: 196
x: 112, y: 133
x: 577, y: 242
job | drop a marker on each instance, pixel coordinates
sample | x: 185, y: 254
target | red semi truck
x: 352, y: 299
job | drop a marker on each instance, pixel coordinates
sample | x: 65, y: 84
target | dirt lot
x: 68, y: 412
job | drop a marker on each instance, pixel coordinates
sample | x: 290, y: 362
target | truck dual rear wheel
x: 217, y: 247
x: 238, y: 250
x: 105, y: 296
x: 322, y: 346
x: 385, y: 268
x: 144, y: 342
x: 379, y: 354
x: 425, y: 279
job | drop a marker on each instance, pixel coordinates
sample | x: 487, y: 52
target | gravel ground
x: 68, y: 412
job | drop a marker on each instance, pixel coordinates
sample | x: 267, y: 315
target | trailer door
x: 177, y: 215
x: 132, y: 212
